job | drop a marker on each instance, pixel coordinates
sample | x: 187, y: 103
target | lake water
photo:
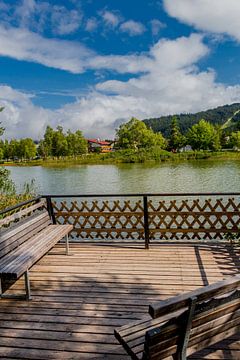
x: 196, y: 176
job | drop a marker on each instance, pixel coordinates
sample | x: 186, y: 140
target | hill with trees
x: 227, y: 116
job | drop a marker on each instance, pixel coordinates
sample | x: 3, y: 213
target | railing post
x: 146, y: 221
x: 50, y: 209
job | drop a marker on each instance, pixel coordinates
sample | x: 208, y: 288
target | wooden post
x: 50, y: 209
x: 146, y: 223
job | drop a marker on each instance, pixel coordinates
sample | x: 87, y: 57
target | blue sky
x: 92, y: 64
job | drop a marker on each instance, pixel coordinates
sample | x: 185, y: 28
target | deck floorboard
x: 79, y: 299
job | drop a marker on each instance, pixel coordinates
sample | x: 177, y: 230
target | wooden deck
x: 78, y: 300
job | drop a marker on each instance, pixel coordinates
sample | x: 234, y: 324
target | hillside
x: 228, y: 116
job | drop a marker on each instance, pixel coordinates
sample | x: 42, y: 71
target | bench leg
x: 67, y: 245
x: 0, y: 287
x: 20, y: 296
x: 27, y: 285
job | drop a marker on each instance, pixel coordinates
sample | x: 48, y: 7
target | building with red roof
x: 97, y: 145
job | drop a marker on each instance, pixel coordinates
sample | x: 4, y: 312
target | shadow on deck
x: 78, y: 300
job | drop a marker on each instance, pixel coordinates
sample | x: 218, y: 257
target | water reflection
x: 195, y: 176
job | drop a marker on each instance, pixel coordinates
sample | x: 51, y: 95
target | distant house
x: 97, y: 145
x: 185, y: 148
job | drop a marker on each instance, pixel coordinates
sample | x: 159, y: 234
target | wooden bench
x: 25, y: 242
x: 185, y: 324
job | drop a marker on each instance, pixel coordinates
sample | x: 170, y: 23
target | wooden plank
x: 89, y: 313
x: 43, y: 354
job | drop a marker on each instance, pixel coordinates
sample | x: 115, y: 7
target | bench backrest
x: 199, y: 319
x: 25, y: 227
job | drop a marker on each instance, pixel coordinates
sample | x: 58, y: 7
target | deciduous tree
x: 177, y: 140
x: 204, y: 136
x: 135, y: 135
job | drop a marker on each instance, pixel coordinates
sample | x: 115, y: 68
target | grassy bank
x: 129, y: 156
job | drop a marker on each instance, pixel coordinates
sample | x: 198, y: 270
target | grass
x: 129, y: 156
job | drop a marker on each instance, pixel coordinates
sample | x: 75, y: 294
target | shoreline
x: 128, y: 157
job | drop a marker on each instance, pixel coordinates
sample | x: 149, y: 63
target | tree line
x: 201, y: 136
x: 55, y: 143
x: 217, y: 116
x: 134, y: 135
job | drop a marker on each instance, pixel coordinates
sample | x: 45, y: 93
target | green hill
x: 228, y: 116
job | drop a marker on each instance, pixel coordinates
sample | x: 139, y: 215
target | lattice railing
x: 102, y: 219
x: 194, y: 219
x: 149, y: 217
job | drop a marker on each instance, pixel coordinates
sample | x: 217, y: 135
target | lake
x: 194, y: 176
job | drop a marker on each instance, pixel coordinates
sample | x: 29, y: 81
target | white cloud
x: 91, y: 24
x: 111, y: 19
x: 65, y: 21
x: 20, y: 117
x: 40, y: 15
x: 168, y: 82
x: 132, y: 27
x: 216, y: 16
x: 156, y: 26
x: 22, y: 44
x: 24, y: 12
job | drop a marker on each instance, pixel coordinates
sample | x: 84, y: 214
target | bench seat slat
x: 13, y: 256
x: 15, y: 244
x: 18, y: 261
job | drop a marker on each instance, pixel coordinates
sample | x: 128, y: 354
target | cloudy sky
x: 93, y: 64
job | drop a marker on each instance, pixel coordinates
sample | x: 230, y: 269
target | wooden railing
x: 142, y: 217
x: 186, y: 216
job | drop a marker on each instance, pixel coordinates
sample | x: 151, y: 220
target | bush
x: 8, y: 194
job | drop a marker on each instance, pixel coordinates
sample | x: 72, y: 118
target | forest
x: 217, y: 116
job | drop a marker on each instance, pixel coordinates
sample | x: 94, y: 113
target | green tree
x: 1, y: 128
x: 203, y: 136
x: 135, y: 135
x: 177, y: 140
x: 59, y: 143
x: 14, y: 149
x: 48, y: 141
x: 77, y: 145
x: 234, y: 140
x: 7, y: 186
x: 26, y: 149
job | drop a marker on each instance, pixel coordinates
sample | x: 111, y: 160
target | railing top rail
x: 141, y: 195
x: 19, y: 205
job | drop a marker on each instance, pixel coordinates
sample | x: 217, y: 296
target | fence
x: 148, y: 217
x: 143, y: 217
